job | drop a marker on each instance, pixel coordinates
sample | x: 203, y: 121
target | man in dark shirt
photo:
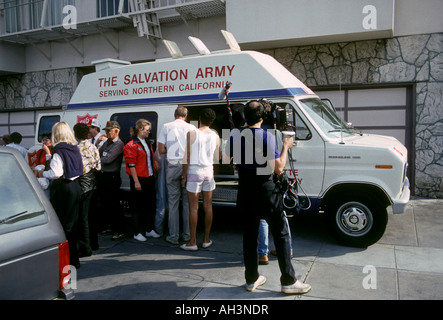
x: 257, y: 159
x: 109, y: 182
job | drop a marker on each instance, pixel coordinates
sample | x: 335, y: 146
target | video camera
x: 276, y: 116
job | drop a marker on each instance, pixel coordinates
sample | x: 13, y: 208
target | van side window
x: 128, y: 120
x: 302, y: 132
x: 45, y: 125
x: 221, y: 121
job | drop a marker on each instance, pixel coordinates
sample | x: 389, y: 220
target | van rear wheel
x: 356, y: 220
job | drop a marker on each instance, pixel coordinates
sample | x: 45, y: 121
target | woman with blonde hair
x: 65, y: 167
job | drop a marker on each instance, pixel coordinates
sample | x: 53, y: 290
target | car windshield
x: 20, y: 206
x: 325, y: 117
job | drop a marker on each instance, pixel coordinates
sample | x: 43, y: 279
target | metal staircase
x: 145, y: 21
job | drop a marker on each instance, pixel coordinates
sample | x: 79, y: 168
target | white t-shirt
x: 18, y: 147
x: 148, y: 156
x: 173, y: 136
x: 203, y: 148
x: 96, y: 142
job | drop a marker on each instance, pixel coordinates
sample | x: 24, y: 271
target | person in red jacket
x: 141, y: 168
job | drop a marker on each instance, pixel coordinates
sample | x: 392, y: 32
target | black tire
x: 357, y: 220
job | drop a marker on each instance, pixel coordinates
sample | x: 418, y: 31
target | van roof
x: 191, y: 78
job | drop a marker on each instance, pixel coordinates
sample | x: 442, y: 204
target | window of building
x: 21, y: 15
x: 54, y: 13
x: 12, y: 16
x: 107, y: 8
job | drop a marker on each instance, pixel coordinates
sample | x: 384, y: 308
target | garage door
x: 22, y: 122
x: 385, y: 111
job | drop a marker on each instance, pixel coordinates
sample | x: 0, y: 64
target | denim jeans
x: 263, y: 238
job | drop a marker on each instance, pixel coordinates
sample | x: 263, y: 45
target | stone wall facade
x: 410, y: 59
x: 52, y: 88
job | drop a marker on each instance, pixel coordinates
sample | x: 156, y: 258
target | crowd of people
x: 80, y: 168
x: 83, y: 168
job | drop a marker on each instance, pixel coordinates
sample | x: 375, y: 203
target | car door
x: 306, y: 158
x: 30, y: 234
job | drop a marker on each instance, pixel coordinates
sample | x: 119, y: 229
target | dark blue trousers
x: 259, y: 198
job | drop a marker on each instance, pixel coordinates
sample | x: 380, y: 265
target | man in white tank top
x: 198, y: 175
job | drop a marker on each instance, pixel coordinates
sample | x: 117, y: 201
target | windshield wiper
x: 15, y: 216
x: 348, y: 130
x: 339, y: 130
x: 12, y: 217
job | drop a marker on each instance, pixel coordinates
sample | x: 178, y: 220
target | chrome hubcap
x: 354, y: 218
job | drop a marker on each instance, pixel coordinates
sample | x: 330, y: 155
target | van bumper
x: 399, y: 205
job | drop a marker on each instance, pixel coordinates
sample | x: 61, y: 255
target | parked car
x: 34, y: 252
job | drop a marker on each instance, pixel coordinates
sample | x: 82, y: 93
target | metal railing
x: 25, y: 15
x: 20, y: 15
x: 106, y: 8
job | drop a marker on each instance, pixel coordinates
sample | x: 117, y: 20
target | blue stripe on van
x: 200, y: 97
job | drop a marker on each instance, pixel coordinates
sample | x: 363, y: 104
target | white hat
x: 94, y: 123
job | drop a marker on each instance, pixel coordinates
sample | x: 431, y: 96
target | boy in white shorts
x: 202, y: 146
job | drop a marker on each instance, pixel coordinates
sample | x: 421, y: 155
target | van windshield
x: 326, y: 118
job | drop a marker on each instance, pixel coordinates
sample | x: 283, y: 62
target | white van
x: 349, y: 176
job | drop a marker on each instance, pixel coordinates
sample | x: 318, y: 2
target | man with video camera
x: 255, y: 154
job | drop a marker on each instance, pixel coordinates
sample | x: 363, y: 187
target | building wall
x: 414, y: 59
x: 409, y: 51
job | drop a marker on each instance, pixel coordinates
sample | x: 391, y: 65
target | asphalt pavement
x: 406, y: 263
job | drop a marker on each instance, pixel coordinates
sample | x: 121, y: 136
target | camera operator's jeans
x: 258, y: 198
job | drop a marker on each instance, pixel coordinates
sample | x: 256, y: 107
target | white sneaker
x: 189, y: 248
x: 296, y: 288
x: 260, y: 281
x: 152, y: 234
x: 140, y: 237
x: 207, y: 244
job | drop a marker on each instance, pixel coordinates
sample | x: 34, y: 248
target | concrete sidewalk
x: 407, y: 263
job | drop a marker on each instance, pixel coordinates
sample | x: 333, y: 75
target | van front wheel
x: 357, y: 221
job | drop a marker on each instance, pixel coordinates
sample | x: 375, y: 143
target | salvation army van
x: 349, y: 176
